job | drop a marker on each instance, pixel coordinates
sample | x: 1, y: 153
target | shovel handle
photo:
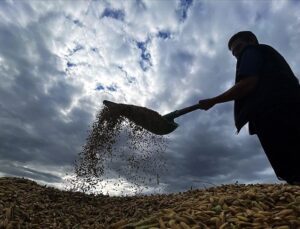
x: 183, y: 111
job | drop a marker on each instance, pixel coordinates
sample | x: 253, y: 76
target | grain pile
x: 25, y: 204
x: 229, y: 206
x: 116, y: 144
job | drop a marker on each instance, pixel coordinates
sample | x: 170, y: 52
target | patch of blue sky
x: 109, y: 88
x: 145, y: 61
x: 72, y: 51
x: 113, y: 13
x: 112, y: 88
x: 99, y: 88
x: 75, y: 21
x: 182, y: 11
x: 130, y: 79
x: 164, y: 34
x: 77, y: 48
x: 70, y: 65
x: 141, y: 45
x: 146, y: 56
x: 145, y: 65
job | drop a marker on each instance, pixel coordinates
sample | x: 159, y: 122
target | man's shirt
x: 251, y: 63
x: 276, y: 85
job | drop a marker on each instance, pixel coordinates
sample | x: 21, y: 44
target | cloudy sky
x: 60, y: 59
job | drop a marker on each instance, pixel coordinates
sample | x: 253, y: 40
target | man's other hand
x: 206, y: 104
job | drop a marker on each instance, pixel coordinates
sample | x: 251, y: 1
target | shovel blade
x: 144, y: 117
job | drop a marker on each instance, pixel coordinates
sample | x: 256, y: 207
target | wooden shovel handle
x: 183, y: 111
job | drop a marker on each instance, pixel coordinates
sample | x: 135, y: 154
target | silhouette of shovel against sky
x: 149, y: 119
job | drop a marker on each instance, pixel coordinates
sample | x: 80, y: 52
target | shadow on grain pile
x: 25, y: 204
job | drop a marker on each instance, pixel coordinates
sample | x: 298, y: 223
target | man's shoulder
x: 259, y: 47
x: 259, y: 50
x: 265, y: 46
x: 251, y: 51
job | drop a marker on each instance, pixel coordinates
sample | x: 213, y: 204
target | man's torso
x: 276, y: 85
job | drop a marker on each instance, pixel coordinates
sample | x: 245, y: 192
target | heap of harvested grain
x: 117, y: 145
x: 228, y: 207
x: 25, y: 204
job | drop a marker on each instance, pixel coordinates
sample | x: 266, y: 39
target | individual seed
x: 242, y: 218
x: 284, y: 212
x: 175, y: 226
x: 162, y: 224
x: 189, y: 219
x: 223, y: 226
x: 180, y: 219
x: 222, y: 217
x: 147, y: 226
x: 9, y: 213
x: 171, y: 222
x: 283, y: 227
x: 118, y: 224
x: 214, y: 219
x: 184, y: 225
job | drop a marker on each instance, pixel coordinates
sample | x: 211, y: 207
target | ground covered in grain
x: 26, y: 204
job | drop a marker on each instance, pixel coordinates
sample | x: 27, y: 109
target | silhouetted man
x: 266, y: 95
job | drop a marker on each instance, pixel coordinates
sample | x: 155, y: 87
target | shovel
x: 149, y: 119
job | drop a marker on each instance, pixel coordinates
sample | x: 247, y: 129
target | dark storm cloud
x: 33, y: 95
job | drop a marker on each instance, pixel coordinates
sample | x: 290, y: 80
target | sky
x: 60, y: 59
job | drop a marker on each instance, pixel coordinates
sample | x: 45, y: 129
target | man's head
x: 240, y: 40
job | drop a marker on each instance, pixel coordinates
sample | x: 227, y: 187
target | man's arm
x: 238, y: 91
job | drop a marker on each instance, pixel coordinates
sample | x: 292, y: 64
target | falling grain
x: 119, y: 146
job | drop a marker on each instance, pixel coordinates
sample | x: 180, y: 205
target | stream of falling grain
x: 116, y: 146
